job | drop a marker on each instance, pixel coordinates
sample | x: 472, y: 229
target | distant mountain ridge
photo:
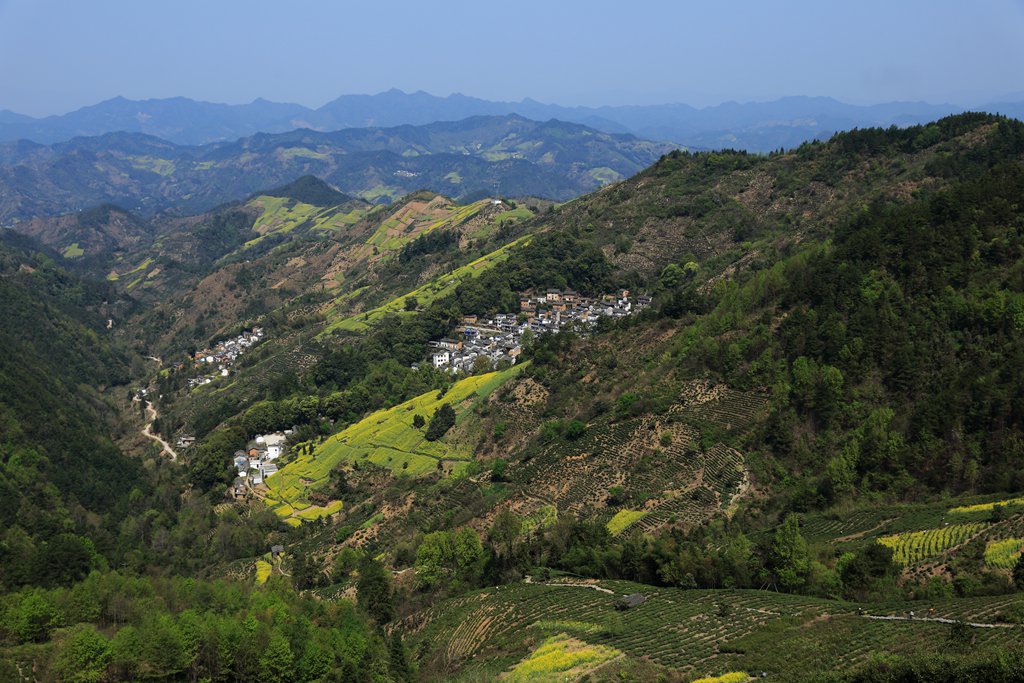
x: 469, y: 159
x: 754, y: 126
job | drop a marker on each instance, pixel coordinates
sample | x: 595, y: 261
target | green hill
x: 813, y: 431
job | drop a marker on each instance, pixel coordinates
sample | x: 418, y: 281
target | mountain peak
x: 310, y: 189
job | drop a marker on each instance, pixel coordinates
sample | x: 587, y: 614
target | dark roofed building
x: 630, y: 601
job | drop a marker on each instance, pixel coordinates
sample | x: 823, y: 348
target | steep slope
x: 94, y: 235
x: 59, y: 469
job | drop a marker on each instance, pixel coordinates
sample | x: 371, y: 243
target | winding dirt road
x: 148, y: 433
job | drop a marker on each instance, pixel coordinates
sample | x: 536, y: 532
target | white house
x: 441, y: 359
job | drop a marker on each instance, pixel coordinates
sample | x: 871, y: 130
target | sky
x: 58, y: 55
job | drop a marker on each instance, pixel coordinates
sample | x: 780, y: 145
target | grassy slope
x: 438, y: 287
x: 282, y: 215
x: 386, y: 438
x: 404, y: 220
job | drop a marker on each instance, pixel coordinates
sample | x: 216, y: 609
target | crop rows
x: 698, y: 631
x: 720, y: 405
x: 1003, y: 554
x: 720, y: 480
x: 913, y: 546
x: 821, y: 527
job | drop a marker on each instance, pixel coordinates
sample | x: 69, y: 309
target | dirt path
x: 940, y: 620
x: 593, y: 586
x: 148, y: 433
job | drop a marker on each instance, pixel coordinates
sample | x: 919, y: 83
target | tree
x: 303, y: 572
x: 505, y: 532
x: 1018, y: 573
x: 399, y: 659
x: 872, y: 563
x: 469, y: 555
x: 445, y: 556
x: 32, y: 619
x: 83, y: 656
x: 788, y: 557
x: 441, y: 422
x: 373, y: 591
x: 418, y: 421
x: 498, y: 470
x: 345, y: 563
x: 411, y: 303
x: 276, y: 660
x: 574, y: 430
x: 482, y: 365
x: 433, y: 558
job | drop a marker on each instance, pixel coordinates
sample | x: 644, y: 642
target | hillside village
x: 257, y: 462
x: 499, y: 340
x: 217, y: 361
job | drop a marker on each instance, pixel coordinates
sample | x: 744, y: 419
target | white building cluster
x: 217, y: 362
x: 500, y: 338
x: 257, y: 462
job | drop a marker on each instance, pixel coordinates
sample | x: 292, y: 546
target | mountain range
x: 753, y: 126
x: 468, y: 159
x: 778, y: 427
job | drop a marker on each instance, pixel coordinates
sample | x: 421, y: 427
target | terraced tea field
x: 418, y: 218
x: 386, y: 438
x: 718, y: 404
x: 661, y: 480
x: 706, y: 633
x: 675, y: 628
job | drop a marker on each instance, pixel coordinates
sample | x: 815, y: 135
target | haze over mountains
x: 753, y: 126
x: 479, y: 156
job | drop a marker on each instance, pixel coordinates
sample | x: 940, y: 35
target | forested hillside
x: 804, y: 451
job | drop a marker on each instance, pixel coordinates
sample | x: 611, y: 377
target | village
x: 217, y: 362
x: 499, y: 340
x: 257, y: 463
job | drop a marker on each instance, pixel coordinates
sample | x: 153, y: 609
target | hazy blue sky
x: 57, y: 55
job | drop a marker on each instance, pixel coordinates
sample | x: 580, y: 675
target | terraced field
x: 707, y: 633
x: 675, y: 628
x: 280, y: 215
x: 1010, y: 503
x: 664, y: 484
x: 1003, y: 554
x: 912, y: 547
x: 416, y: 219
x: 437, y: 288
x: 560, y: 658
x: 718, y: 404
x: 385, y: 438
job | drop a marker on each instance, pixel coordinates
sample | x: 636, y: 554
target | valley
x: 724, y: 415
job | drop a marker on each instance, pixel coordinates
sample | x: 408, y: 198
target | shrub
x: 441, y: 422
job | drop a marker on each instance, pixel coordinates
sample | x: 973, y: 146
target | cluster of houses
x: 217, y: 362
x: 256, y: 463
x: 499, y: 339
